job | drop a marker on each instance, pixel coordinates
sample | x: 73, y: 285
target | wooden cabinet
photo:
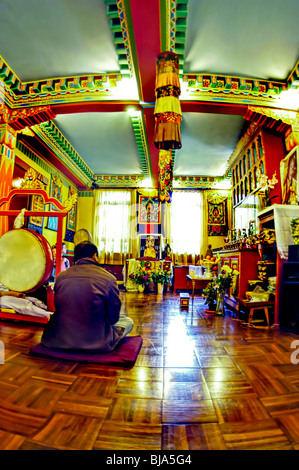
x: 245, y: 262
x: 179, y: 278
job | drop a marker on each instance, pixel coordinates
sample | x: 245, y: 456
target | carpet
x: 125, y: 353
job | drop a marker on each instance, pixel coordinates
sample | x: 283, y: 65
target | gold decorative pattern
x: 30, y: 180
x: 288, y: 117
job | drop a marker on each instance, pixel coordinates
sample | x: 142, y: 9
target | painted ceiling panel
x: 257, y: 39
x: 56, y: 38
x: 209, y: 140
x: 105, y: 141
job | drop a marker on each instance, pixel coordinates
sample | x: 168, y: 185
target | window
x: 187, y: 222
x: 112, y: 222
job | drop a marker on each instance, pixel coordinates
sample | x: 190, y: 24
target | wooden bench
x: 252, y: 306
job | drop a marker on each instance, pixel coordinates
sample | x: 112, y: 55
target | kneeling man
x: 87, y: 307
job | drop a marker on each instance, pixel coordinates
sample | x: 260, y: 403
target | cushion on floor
x: 124, y: 354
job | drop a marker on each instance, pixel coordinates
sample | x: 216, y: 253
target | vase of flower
x: 160, y: 288
x: 223, y: 282
x: 160, y: 277
x: 220, y: 303
x: 210, y: 294
x: 141, y: 277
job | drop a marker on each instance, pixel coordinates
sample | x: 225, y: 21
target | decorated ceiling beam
x: 144, y: 17
x: 94, y: 88
x: 231, y: 85
x: 197, y: 182
x: 59, y: 145
x: 141, y: 141
x: 101, y: 181
x: 119, y: 29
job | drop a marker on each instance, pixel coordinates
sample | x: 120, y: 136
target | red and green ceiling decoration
x: 97, y: 88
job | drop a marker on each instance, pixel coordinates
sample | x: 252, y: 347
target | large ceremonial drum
x: 26, y: 260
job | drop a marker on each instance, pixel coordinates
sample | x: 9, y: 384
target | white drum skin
x: 26, y: 260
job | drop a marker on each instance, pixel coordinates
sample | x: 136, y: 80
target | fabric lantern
x: 168, y: 116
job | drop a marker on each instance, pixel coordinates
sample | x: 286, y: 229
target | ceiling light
x: 132, y: 111
x: 126, y: 89
x: 146, y: 183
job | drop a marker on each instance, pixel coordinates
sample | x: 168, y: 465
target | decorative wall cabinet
x: 244, y: 261
x: 258, y: 152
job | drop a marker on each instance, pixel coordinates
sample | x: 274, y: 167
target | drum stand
x: 60, y: 212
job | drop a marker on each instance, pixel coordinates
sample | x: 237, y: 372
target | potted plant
x: 141, y: 277
x: 210, y: 293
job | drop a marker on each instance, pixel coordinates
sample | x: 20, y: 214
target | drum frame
x: 60, y: 212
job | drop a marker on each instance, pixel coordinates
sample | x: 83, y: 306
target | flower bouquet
x: 160, y: 276
x: 223, y: 282
x: 141, y: 277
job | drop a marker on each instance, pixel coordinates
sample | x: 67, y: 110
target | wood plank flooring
x: 199, y: 383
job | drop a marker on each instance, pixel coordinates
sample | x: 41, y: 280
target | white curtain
x: 187, y: 224
x: 112, y: 225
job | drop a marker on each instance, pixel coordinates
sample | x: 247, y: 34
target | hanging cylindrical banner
x: 168, y: 114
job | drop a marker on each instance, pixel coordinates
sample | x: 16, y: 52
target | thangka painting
x: 289, y: 176
x: 71, y: 220
x: 55, y: 191
x: 217, y: 215
x: 36, y: 221
x: 149, y: 210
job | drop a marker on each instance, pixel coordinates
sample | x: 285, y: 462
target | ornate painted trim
x: 51, y: 91
x: 63, y: 150
x: 231, y: 85
x: 195, y: 182
x: 118, y: 180
x: 119, y: 29
x: 85, y: 194
x: 140, y: 135
x: 293, y: 78
x: 21, y: 148
x: 288, y: 117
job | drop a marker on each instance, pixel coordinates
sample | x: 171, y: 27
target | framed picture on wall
x: 217, y: 215
x: 35, y: 222
x: 289, y: 176
x: 150, y: 245
x: 149, y: 210
x: 55, y: 191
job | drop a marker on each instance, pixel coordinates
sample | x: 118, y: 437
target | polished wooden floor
x: 199, y: 383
